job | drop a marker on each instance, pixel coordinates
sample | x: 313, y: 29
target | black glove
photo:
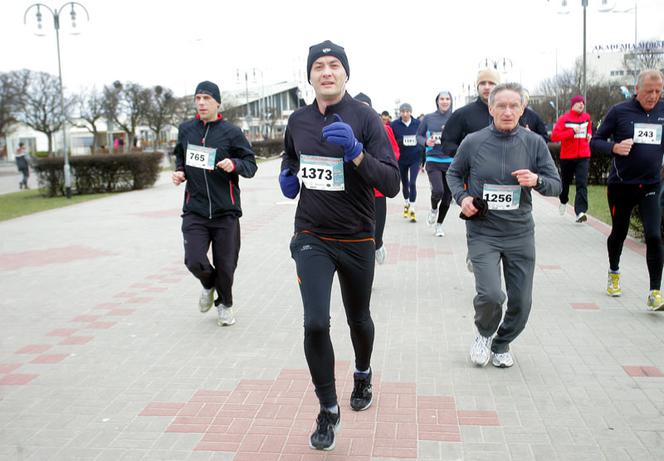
x: 482, y: 209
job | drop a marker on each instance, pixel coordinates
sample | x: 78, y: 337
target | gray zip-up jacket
x: 489, y: 157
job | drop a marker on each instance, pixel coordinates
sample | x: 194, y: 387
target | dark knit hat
x: 209, y: 88
x: 363, y: 98
x: 405, y: 106
x: 575, y: 99
x: 326, y: 48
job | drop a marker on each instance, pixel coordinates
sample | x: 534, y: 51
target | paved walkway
x: 10, y: 177
x: 104, y: 355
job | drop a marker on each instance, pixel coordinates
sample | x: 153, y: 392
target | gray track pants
x: 518, y: 257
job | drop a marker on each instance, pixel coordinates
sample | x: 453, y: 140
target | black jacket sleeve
x: 243, y: 156
x: 539, y: 127
x: 289, y: 159
x: 179, y: 151
x: 600, y: 140
x: 453, y: 134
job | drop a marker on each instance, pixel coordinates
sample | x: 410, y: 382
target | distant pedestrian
x: 574, y: 130
x: 437, y: 162
x: 22, y: 165
x: 405, y: 132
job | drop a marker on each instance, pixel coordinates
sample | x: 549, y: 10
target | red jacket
x: 572, y: 145
x: 395, y: 148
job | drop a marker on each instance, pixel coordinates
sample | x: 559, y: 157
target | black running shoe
x: 327, y: 425
x: 362, y: 396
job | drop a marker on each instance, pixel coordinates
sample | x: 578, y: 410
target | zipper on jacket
x: 207, y: 187
x: 230, y: 188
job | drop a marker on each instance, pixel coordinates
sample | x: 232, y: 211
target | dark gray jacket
x: 490, y: 156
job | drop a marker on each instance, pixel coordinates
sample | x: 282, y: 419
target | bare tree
x: 90, y: 111
x: 13, y: 86
x: 643, y: 58
x: 230, y: 109
x: 126, y: 105
x: 161, y: 111
x: 40, y: 108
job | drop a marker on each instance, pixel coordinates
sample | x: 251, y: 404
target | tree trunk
x: 50, y: 143
x: 94, y: 140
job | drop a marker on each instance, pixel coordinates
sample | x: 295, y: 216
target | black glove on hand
x: 482, y: 209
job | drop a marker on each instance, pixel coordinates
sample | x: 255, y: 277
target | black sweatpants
x: 316, y: 261
x: 440, y: 191
x: 570, y: 168
x: 622, y: 199
x: 381, y: 216
x: 224, y: 235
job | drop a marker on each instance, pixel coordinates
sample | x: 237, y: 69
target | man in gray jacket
x: 501, y: 163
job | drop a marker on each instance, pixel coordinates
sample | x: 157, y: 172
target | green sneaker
x: 655, y: 301
x: 613, y: 284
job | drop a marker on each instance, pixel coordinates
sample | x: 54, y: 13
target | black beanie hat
x: 363, y: 98
x: 209, y: 88
x: 326, y: 48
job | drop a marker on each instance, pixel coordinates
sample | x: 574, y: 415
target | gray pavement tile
x: 567, y: 393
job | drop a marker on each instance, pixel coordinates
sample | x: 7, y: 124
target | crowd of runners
x: 342, y: 159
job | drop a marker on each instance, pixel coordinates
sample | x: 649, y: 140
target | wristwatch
x: 540, y: 182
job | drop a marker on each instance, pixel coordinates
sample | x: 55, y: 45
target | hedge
x: 99, y: 173
x: 269, y: 148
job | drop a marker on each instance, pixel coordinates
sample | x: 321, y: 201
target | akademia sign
x: 649, y: 45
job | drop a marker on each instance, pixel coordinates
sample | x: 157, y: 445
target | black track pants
x: 224, y: 235
x: 622, y: 199
x: 316, y: 261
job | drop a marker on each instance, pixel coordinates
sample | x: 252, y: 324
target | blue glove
x: 341, y: 133
x: 289, y: 183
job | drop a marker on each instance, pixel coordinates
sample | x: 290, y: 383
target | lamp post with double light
x: 56, y: 25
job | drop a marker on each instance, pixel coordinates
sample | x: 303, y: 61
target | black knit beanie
x: 210, y: 89
x: 327, y: 48
x: 363, y: 98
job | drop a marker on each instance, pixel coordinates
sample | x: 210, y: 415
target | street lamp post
x: 56, y: 25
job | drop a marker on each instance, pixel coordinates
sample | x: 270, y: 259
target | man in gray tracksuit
x: 501, y: 163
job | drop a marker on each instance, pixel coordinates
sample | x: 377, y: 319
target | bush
x: 269, y: 148
x: 99, y: 173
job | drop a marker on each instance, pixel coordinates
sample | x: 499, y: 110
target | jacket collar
x: 503, y: 134
x: 334, y: 107
x: 219, y: 117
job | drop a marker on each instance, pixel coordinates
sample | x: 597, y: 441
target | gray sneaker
x: 480, y: 351
x: 206, y: 299
x: 381, y: 254
x: 226, y: 317
x: 431, y: 217
x: 502, y: 360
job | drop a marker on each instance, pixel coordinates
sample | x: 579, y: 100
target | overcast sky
x: 398, y: 50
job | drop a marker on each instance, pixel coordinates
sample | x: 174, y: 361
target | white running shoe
x: 206, y: 299
x: 480, y: 351
x: 581, y: 217
x: 226, y: 317
x: 381, y: 254
x: 431, y: 217
x: 503, y: 360
x: 562, y: 209
x: 439, y: 230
